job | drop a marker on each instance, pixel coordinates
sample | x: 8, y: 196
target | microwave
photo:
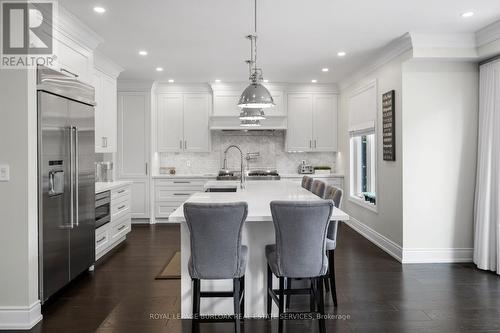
x: 102, y: 208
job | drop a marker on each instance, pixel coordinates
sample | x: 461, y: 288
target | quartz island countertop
x: 107, y: 186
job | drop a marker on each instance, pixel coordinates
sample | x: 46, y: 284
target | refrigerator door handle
x: 71, y: 174
x: 76, y: 176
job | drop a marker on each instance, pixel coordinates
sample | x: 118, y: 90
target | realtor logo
x: 27, y: 33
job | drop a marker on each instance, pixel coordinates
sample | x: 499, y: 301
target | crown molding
x: 165, y: 87
x: 135, y: 85
x: 488, y: 34
x: 71, y: 27
x: 390, y: 51
x: 106, y: 65
x: 448, y: 46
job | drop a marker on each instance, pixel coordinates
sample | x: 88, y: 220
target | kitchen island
x: 258, y: 231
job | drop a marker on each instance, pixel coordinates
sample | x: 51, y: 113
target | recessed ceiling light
x: 99, y: 10
x: 266, y: 81
x: 171, y: 81
x: 217, y: 80
x: 341, y: 54
x: 314, y: 81
x: 467, y: 14
x: 159, y: 69
x: 324, y: 69
x: 143, y: 53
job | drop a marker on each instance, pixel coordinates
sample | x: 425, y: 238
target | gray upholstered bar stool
x: 299, y: 252
x: 335, y: 194
x: 307, y: 182
x: 318, y: 188
x: 217, y: 253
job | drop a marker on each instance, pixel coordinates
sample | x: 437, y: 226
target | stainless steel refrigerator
x: 66, y: 179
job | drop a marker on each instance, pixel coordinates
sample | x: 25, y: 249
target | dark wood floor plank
x: 376, y: 293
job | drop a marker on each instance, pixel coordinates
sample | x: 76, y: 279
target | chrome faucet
x: 242, y: 177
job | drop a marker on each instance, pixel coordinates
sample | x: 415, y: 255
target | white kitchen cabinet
x: 312, y: 122
x: 133, y: 147
x: 182, y: 120
x: 173, y: 192
x: 105, y: 113
x: 113, y: 233
x: 74, y: 60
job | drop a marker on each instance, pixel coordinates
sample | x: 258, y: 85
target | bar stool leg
x: 331, y: 268
x: 269, y: 289
x: 288, y: 297
x: 312, y: 298
x: 196, y: 305
x: 242, y: 295
x: 281, y: 304
x: 321, y: 304
x: 236, y: 302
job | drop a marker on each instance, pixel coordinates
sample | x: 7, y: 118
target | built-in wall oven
x: 102, y: 208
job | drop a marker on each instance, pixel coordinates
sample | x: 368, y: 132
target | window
x: 363, y: 161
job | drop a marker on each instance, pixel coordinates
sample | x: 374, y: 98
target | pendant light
x: 250, y: 123
x: 252, y: 114
x: 255, y: 96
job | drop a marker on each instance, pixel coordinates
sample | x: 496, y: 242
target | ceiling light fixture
x: 314, y: 81
x: 265, y: 80
x: 99, y: 10
x: 217, y: 80
x: 255, y: 95
x: 325, y: 69
x: 159, y: 69
x: 467, y: 14
x: 143, y: 53
x: 171, y: 81
x: 252, y: 114
x: 341, y: 54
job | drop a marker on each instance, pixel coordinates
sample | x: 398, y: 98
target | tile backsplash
x: 269, y: 144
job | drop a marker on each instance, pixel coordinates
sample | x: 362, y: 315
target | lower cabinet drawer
x: 120, y: 192
x: 163, y: 210
x: 120, y: 208
x: 101, y: 241
x: 120, y: 228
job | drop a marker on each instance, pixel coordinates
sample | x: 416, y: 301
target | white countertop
x: 204, y: 175
x: 258, y: 194
x: 106, y: 186
x: 314, y: 175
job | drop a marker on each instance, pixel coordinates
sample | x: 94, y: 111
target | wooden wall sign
x: 389, y: 125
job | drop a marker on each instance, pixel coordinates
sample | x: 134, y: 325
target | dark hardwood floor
x: 376, y: 293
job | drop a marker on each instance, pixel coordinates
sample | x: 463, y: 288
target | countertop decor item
x: 255, y: 96
x: 167, y: 171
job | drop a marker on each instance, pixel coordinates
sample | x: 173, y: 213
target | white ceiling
x: 200, y: 40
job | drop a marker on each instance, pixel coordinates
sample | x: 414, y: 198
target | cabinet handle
x: 185, y: 144
x: 104, y: 142
x: 121, y: 191
x: 180, y: 144
x: 181, y: 182
x: 121, y: 207
x: 100, y: 240
x: 146, y: 168
x: 183, y: 194
x: 314, y: 144
x: 122, y: 227
x: 66, y: 71
x: 310, y: 143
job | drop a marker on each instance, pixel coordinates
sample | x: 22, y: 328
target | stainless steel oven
x: 102, y: 208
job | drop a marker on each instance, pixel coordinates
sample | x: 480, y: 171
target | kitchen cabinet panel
x: 325, y: 122
x: 300, y: 127
x: 196, y: 113
x: 170, y: 123
x: 105, y: 113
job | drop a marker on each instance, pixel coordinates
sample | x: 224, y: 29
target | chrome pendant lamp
x: 255, y: 96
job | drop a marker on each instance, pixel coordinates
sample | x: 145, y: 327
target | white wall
x: 19, y: 305
x: 440, y: 110
x: 387, y: 221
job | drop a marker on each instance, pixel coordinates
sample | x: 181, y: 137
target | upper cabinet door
x: 99, y: 114
x: 325, y: 122
x: 196, y: 113
x: 299, y: 133
x: 110, y: 112
x: 226, y: 104
x: 169, y: 124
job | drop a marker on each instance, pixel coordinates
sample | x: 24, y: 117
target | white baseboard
x: 19, y: 317
x: 392, y: 248
x: 450, y: 255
